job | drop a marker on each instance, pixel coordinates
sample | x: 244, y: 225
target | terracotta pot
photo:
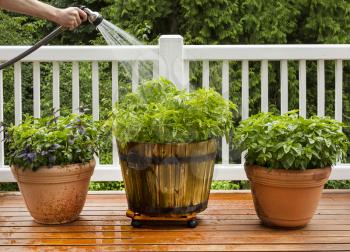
x: 286, y: 198
x: 57, y: 194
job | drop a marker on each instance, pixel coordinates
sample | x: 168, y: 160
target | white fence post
x: 171, y: 63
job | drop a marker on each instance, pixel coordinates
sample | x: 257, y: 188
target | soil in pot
x: 57, y: 194
x: 286, y: 198
x: 165, y: 179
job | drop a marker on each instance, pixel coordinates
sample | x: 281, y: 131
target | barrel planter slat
x: 168, y: 179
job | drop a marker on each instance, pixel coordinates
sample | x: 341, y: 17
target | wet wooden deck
x: 229, y: 223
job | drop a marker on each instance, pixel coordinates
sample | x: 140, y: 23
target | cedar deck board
x: 229, y: 224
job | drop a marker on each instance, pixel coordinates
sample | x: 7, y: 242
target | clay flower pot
x: 55, y: 195
x: 286, y: 198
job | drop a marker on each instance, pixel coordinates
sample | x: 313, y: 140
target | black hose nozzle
x: 93, y: 17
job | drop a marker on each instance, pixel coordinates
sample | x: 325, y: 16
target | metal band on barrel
x: 135, y: 159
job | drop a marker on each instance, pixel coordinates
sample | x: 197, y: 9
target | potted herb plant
x: 52, y: 161
x: 167, y: 141
x: 288, y: 161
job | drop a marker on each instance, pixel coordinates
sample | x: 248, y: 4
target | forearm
x: 31, y: 7
x: 70, y: 17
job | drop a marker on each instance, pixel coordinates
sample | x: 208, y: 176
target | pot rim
x: 55, y: 174
x: 91, y: 162
x: 292, y: 171
x: 288, y: 178
x: 172, y: 143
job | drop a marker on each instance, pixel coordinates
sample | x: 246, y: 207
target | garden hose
x: 42, y: 42
x: 93, y: 17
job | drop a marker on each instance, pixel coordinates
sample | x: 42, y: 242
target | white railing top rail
x: 171, y: 59
x: 82, y: 53
x: 190, y: 52
x: 266, y: 52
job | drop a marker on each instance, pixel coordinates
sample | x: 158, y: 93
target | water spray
x: 93, y: 17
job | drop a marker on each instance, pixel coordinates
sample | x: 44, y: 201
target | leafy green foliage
x: 291, y: 142
x: 13, y: 30
x: 337, y: 184
x: 8, y: 187
x: 159, y: 113
x: 230, y: 185
x: 105, y: 186
x: 52, y: 141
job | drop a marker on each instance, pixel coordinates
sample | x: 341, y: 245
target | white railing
x: 171, y: 59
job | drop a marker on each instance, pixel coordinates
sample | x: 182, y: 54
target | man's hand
x: 70, y: 17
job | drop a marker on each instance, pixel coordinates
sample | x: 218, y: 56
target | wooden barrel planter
x: 167, y: 181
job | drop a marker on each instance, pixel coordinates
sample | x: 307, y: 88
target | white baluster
x: 226, y: 94
x: 339, y: 90
x: 264, y: 76
x: 245, y: 97
x: 56, y: 87
x: 115, y: 96
x: 135, y: 75
x: 320, y: 88
x: 95, y: 96
x: 205, y: 74
x: 155, y: 69
x: 284, y: 86
x: 36, y: 89
x: 302, y: 88
x: 18, y: 93
x: 245, y: 89
x: 186, y: 77
x: 75, y: 87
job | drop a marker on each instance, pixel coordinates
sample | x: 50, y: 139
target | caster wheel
x: 136, y: 223
x: 192, y: 223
